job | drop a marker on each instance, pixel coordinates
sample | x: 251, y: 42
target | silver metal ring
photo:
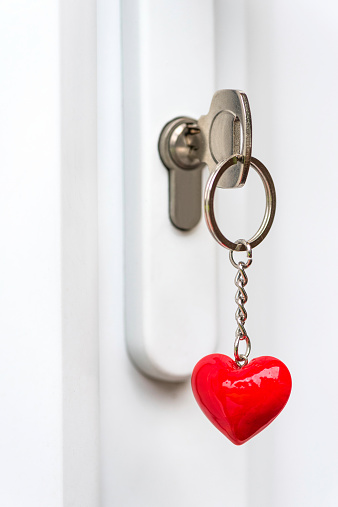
x: 241, y: 265
x: 242, y: 357
x: 270, y: 207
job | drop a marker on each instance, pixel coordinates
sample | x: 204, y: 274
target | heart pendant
x: 241, y: 401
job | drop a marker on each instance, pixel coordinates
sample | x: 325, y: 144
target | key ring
x: 270, y: 207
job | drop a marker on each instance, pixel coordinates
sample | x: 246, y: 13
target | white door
x: 80, y: 425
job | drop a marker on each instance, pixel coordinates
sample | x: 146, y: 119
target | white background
x: 79, y: 425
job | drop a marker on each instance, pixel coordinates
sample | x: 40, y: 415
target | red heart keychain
x: 241, y: 401
x: 240, y: 398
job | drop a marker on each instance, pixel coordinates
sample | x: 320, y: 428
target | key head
x: 225, y: 131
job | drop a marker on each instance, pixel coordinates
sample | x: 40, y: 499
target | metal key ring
x: 270, y: 207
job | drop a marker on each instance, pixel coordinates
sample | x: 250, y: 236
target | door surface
x: 80, y: 425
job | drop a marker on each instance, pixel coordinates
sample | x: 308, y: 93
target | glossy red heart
x: 241, y: 402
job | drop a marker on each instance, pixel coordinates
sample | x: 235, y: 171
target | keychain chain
x: 241, y: 298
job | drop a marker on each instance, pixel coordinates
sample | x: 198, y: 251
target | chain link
x: 241, y: 298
